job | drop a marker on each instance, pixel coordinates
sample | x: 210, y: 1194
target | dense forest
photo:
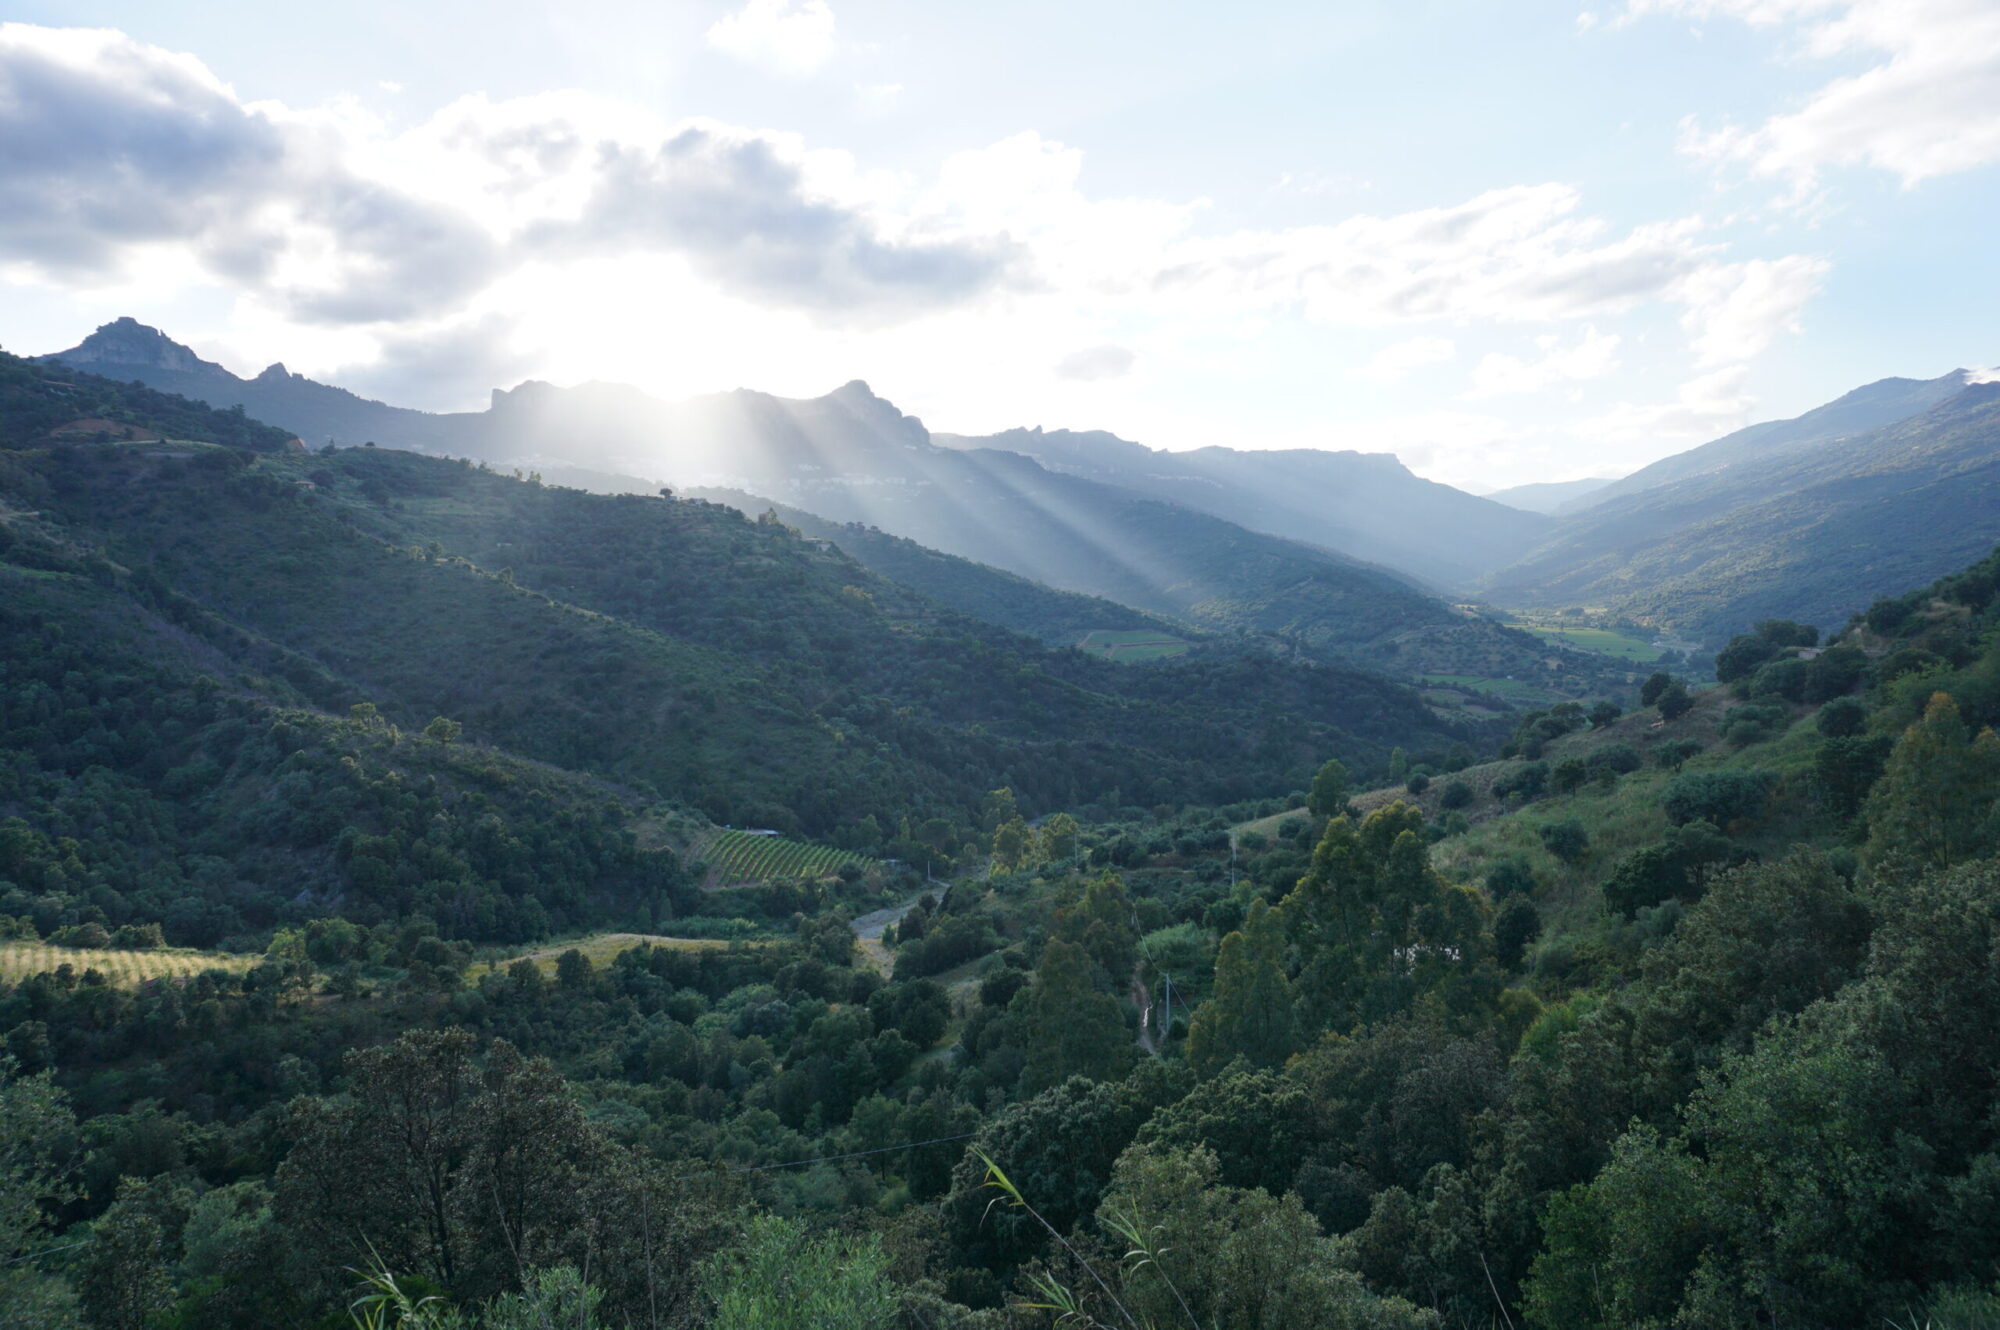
x: 361, y: 965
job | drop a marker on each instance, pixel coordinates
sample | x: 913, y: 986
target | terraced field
x: 739, y: 856
x: 123, y: 969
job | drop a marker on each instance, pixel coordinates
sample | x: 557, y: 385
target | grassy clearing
x: 736, y: 857
x: 123, y: 969
x: 601, y: 949
x: 1267, y: 827
x: 1131, y: 644
x: 1601, y: 640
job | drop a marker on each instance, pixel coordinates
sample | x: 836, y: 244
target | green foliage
x: 1328, y: 795
x: 1566, y: 840
x: 1723, y: 798
x: 1068, y: 1027
x: 1934, y: 801
x: 1679, y: 867
x: 1250, y: 1016
x: 1373, y: 926
x: 784, y: 1278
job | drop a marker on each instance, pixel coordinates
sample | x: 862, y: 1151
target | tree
x: 1674, y: 701
x: 1718, y: 797
x: 1518, y: 924
x: 1935, y: 798
x: 1656, y: 683
x: 465, y: 1174
x: 1068, y: 1027
x: 1059, y: 838
x: 1604, y: 713
x: 1259, y: 1123
x: 1329, y: 790
x: 997, y: 808
x: 35, y: 1128
x: 1059, y: 1147
x: 443, y: 731
x: 1250, y: 1014
x: 1011, y: 840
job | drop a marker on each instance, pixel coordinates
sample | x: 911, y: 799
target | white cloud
x: 1096, y: 362
x: 1925, y: 107
x: 1455, y: 444
x: 1705, y: 407
x: 878, y: 98
x: 116, y: 147
x: 1397, y: 359
x: 784, y: 36
x: 1593, y: 356
x: 1735, y: 310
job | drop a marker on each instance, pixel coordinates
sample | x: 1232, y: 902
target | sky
x: 1507, y: 242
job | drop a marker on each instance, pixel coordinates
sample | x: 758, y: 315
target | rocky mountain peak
x: 126, y: 341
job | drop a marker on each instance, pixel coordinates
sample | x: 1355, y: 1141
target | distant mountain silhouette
x: 1553, y: 497
x: 1367, y: 505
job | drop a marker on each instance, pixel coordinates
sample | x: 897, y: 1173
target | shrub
x: 1526, y: 783
x: 1619, y: 758
x: 1566, y: 840
x: 1455, y: 794
x: 1510, y: 877
x: 1747, y: 725
x: 1842, y: 718
x: 1673, y: 754
x: 1518, y: 924
x: 1721, y: 797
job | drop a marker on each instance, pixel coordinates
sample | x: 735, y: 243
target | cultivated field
x: 1601, y: 640
x: 125, y: 969
x: 1128, y: 645
x: 738, y: 856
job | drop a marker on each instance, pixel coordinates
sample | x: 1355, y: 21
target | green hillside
x: 1809, y: 526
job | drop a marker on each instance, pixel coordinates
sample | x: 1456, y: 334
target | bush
x: 1517, y: 925
x: 1785, y: 678
x: 93, y: 936
x: 1526, y: 783
x: 1747, y: 725
x: 1455, y: 794
x: 1656, y: 683
x: 1673, y: 754
x: 1565, y: 840
x: 1510, y: 877
x: 1619, y: 758
x: 1677, y: 868
x: 1721, y: 797
x: 1842, y: 718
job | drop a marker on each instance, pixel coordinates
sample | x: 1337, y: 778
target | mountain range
x: 1340, y: 552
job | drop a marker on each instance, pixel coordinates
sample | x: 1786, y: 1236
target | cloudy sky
x: 1508, y: 242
